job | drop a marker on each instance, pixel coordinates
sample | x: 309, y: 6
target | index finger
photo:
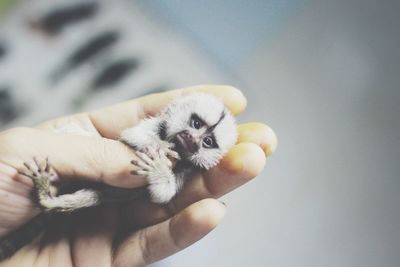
x: 110, y: 121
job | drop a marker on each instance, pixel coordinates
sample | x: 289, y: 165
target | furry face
x: 201, y: 128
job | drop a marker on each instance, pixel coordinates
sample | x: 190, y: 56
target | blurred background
x: 324, y: 74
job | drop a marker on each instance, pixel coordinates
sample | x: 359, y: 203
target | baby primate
x: 196, y: 130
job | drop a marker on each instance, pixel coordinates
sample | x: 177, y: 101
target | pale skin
x: 149, y: 232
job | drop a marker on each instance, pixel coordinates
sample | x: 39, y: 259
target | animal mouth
x: 185, y: 145
x: 181, y: 144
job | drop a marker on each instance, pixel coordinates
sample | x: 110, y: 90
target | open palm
x: 127, y: 234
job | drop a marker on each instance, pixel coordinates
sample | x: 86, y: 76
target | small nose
x: 190, y: 142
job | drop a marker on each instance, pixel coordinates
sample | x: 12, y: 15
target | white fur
x: 69, y: 202
x: 143, y: 134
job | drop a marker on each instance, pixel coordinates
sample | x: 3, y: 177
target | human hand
x: 120, y: 235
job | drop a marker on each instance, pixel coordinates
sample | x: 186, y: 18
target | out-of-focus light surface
x: 229, y: 31
x: 326, y: 78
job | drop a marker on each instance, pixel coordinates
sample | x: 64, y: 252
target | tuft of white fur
x: 162, y: 192
x: 162, y: 181
x: 142, y: 135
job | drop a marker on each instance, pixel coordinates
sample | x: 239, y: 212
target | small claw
x: 135, y: 162
x: 140, y: 164
x: 142, y: 172
x: 139, y: 172
x: 47, y: 166
x: 167, y: 145
x: 27, y: 166
x: 144, y: 157
x: 23, y: 173
x: 39, y: 169
x: 174, y: 154
x: 146, y: 151
x: 152, y: 152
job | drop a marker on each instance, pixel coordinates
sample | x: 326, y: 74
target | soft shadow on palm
x: 120, y: 232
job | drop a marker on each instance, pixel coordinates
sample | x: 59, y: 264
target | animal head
x: 201, y: 128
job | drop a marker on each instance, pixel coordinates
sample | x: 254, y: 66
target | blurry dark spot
x: 54, y: 21
x: 3, y: 50
x: 114, y: 73
x: 93, y: 47
x: 8, y: 111
x: 87, y: 51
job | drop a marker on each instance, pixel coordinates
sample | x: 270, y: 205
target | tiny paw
x: 34, y: 171
x: 151, y: 161
x: 157, y: 168
x: 42, y: 176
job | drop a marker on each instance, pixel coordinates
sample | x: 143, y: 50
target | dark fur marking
x: 162, y: 130
x: 212, y: 127
x: 197, y: 117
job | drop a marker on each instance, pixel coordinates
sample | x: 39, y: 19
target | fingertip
x: 168, y: 237
x: 196, y: 221
x: 244, y: 159
x: 238, y: 101
x: 259, y: 134
x: 234, y: 99
x: 207, y: 213
x: 241, y: 164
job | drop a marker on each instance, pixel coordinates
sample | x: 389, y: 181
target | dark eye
x: 196, y: 123
x: 208, y: 142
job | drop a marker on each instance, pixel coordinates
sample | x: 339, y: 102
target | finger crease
x: 92, y: 123
x: 172, y: 237
x: 144, y: 246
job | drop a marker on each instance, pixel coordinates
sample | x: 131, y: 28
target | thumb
x: 95, y: 159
